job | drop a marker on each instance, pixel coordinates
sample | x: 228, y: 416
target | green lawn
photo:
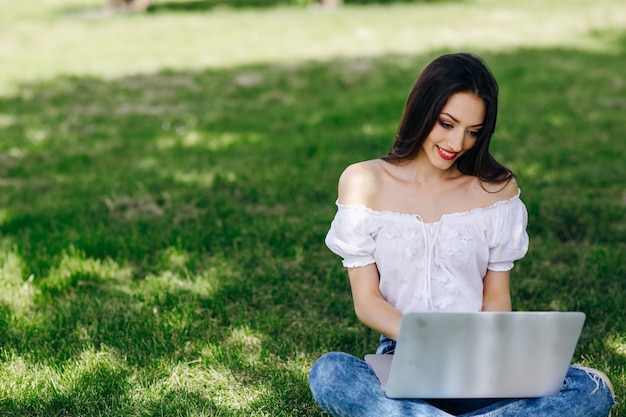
x: 167, y: 180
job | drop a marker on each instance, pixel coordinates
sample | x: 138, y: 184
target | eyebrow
x: 456, y: 121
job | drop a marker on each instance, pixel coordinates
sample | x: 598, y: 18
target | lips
x: 446, y: 154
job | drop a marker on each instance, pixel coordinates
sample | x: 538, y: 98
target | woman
x: 435, y: 225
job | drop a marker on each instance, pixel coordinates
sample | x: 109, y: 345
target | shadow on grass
x: 207, y: 5
x: 179, y: 218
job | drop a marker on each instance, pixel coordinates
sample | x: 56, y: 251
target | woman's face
x: 455, y: 131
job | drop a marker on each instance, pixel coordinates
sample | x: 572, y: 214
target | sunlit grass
x: 81, y: 43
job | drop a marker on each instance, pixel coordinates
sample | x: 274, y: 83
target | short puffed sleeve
x: 509, y: 239
x: 352, y: 236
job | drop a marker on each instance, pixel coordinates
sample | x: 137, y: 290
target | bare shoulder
x: 491, y: 193
x: 359, y: 183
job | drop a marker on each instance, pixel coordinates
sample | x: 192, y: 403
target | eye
x: 474, y: 133
x: 445, y: 124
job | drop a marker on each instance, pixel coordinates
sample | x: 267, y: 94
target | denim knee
x: 591, y: 379
x: 329, y: 377
x: 593, y: 389
x: 320, y: 376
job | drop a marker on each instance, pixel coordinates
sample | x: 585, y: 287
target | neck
x: 419, y: 172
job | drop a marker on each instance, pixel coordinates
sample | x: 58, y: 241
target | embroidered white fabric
x: 437, y: 266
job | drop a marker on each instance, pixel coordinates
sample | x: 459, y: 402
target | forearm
x: 502, y: 303
x: 379, y: 316
x: 370, y: 306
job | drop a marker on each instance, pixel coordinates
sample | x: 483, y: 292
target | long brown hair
x: 445, y: 76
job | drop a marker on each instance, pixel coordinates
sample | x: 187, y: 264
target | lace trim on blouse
x: 443, y: 216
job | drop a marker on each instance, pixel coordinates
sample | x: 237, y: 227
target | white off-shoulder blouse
x: 436, y: 266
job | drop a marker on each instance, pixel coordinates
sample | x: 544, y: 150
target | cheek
x: 436, y: 134
x: 471, y: 143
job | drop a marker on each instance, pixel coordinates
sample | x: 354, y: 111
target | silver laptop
x: 479, y: 355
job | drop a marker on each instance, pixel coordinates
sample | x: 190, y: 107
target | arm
x: 369, y: 305
x: 496, y: 291
x: 360, y: 184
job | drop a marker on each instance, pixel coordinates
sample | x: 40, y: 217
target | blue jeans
x: 345, y: 386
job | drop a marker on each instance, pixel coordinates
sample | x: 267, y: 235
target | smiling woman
x: 436, y: 225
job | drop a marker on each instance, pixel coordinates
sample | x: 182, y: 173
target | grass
x: 167, y: 181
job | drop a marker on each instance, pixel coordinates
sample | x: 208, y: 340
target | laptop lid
x: 480, y: 355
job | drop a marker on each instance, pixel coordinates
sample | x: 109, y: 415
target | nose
x: 456, y: 140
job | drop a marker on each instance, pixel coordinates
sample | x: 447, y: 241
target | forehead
x: 466, y: 108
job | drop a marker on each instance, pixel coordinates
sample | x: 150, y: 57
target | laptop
x: 479, y: 355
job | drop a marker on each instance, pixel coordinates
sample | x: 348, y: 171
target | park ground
x: 167, y: 179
